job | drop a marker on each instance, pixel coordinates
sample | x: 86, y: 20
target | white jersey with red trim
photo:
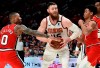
x: 56, y: 30
x: 50, y: 53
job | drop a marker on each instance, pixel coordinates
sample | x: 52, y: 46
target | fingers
x: 62, y: 45
x: 51, y: 45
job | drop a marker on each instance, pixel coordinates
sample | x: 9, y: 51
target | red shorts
x: 93, y: 54
x: 11, y: 58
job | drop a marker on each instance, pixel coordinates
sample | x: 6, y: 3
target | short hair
x: 50, y: 3
x: 12, y: 14
x: 92, y: 8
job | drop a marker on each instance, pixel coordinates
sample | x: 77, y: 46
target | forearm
x: 35, y: 33
x: 76, y: 31
x: 24, y: 29
x: 80, y: 39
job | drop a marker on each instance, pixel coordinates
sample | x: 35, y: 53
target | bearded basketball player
x: 57, y: 26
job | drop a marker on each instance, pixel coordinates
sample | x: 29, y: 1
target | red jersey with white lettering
x: 8, y: 37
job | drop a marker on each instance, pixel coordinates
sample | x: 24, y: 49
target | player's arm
x: 19, y: 29
x: 71, y: 26
x: 42, y: 29
x: 80, y: 39
x: 89, y: 28
x: 66, y: 23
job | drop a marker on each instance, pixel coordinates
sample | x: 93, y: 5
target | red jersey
x: 92, y: 38
x: 92, y: 47
x: 97, y: 19
x: 8, y: 37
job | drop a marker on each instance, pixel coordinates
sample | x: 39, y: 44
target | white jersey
x: 56, y: 30
x: 50, y: 53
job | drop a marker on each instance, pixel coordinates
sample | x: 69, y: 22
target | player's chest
x: 57, y: 28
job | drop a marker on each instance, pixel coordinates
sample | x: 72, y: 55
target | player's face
x: 87, y: 13
x: 53, y: 10
x: 97, y: 4
x: 17, y: 19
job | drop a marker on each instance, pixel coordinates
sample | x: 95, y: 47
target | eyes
x: 86, y: 11
x: 54, y: 7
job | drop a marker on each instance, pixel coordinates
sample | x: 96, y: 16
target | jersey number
x: 4, y: 39
x: 56, y: 35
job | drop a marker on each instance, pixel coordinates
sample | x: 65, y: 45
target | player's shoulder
x: 93, y: 22
x: 95, y: 17
x: 65, y: 19
x: 11, y: 26
x: 44, y: 20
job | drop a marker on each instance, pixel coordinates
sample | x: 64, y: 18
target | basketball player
x: 90, y: 30
x: 56, y: 26
x: 97, y: 19
x: 8, y: 38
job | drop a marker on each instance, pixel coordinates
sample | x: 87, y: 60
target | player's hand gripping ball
x: 56, y: 43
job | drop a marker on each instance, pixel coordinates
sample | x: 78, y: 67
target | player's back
x: 8, y: 37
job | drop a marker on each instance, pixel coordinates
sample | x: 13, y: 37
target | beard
x: 54, y: 16
x: 19, y: 22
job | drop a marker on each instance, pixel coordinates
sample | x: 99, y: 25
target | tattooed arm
x: 19, y: 29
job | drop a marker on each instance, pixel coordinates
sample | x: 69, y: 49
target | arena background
x: 32, y: 12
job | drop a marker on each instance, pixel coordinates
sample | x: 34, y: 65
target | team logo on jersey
x: 55, y: 30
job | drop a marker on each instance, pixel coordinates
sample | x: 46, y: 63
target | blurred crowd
x: 32, y: 46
